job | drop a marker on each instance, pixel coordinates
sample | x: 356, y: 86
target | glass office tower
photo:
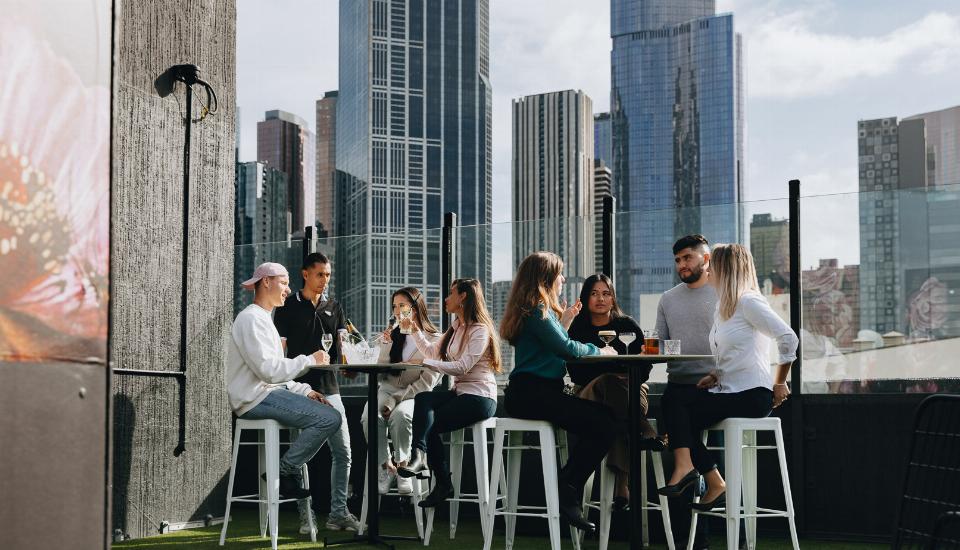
x: 413, y: 141
x: 677, y: 114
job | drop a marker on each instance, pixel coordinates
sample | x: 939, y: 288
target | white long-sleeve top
x: 742, y: 344
x: 255, y: 361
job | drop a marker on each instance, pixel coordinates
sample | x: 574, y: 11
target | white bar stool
x: 482, y: 496
x: 549, y: 445
x: 268, y: 459
x: 605, y: 505
x: 421, y: 488
x: 740, y: 458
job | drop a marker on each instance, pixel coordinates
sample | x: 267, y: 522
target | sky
x: 812, y: 70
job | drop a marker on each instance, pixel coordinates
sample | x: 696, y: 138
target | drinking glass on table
x: 628, y: 338
x: 651, y: 342
x: 671, y: 347
x: 607, y: 336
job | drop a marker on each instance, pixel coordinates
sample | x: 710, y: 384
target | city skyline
x: 807, y: 84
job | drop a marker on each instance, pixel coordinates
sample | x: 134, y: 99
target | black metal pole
x: 184, y: 273
x: 609, y: 231
x: 796, y: 386
x: 448, y: 252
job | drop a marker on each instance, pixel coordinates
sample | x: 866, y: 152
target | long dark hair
x: 474, y: 312
x: 532, y: 286
x: 420, y: 316
x: 583, y: 318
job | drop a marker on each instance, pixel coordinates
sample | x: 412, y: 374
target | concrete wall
x: 150, y: 484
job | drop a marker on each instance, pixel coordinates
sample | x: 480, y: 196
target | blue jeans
x: 437, y: 412
x: 340, y: 467
x: 317, y: 423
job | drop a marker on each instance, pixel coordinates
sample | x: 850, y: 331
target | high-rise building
x: 909, y: 241
x: 326, y: 162
x: 553, y: 180
x: 260, y: 216
x: 285, y: 142
x: 676, y: 106
x: 496, y: 295
x: 603, y: 138
x: 770, y: 246
x: 414, y: 127
x: 943, y: 145
x: 602, y: 187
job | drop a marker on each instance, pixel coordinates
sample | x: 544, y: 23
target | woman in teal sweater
x: 536, y: 325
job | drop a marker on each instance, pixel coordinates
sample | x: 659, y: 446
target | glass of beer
x: 651, y: 342
x: 406, y: 312
x: 607, y: 336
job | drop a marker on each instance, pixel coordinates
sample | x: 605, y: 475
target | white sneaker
x: 304, y: 519
x: 385, y: 480
x: 346, y: 523
x: 405, y: 485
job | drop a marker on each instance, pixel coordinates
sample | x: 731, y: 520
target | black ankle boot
x: 416, y: 464
x: 290, y: 487
x: 440, y: 493
x: 571, y: 507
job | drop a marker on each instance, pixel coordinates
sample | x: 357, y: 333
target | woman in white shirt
x: 396, y: 392
x: 741, y: 386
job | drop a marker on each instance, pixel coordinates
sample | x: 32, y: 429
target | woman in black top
x: 603, y: 313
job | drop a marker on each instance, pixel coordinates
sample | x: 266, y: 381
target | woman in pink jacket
x: 469, y: 352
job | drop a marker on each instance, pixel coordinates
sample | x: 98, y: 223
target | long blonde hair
x: 733, y: 272
x: 474, y: 313
x: 533, y: 285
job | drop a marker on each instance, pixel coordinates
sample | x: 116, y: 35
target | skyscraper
x: 770, y: 246
x: 326, y: 161
x: 603, y: 138
x: 602, y: 186
x: 677, y: 113
x: 553, y: 180
x: 285, y: 142
x: 909, y: 241
x: 260, y: 216
x: 413, y: 141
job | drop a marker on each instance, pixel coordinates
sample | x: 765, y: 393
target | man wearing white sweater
x: 260, y: 378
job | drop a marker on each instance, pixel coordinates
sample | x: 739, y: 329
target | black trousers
x: 688, y: 416
x: 535, y: 398
x: 438, y: 412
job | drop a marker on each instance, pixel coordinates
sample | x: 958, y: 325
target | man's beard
x: 694, y: 276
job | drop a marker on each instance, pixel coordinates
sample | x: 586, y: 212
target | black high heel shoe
x: 715, y: 503
x: 416, y: 465
x: 679, y: 487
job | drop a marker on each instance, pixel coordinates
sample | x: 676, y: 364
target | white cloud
x: 787, y: 58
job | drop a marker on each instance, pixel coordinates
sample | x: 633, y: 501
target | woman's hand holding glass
x: 608, y: 350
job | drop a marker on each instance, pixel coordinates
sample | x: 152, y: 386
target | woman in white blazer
x: 742, y: 385
x: 397, y: 390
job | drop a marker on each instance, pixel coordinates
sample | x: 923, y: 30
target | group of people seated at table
x: 716, y: 310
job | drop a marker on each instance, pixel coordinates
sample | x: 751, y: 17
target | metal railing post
x: 448, y: 252
x: 796, y: 386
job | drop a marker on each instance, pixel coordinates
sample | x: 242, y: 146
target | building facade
x: 285, y: 142
x: 261, y: 222
x: 552, y: 173
x: 413, y: 139
x: 909, y: 251
x: 326, y: 162
x: 770, y: 246
x: 602, y: 187
x: 676, y: 110
x: 603, y: 138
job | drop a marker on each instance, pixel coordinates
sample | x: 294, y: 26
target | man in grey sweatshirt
x: 685, y: 313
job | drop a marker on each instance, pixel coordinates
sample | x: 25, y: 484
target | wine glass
x: 628, y: 338
x: 326, y: 341
x: 607, y: 336
x: 406, y: 312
